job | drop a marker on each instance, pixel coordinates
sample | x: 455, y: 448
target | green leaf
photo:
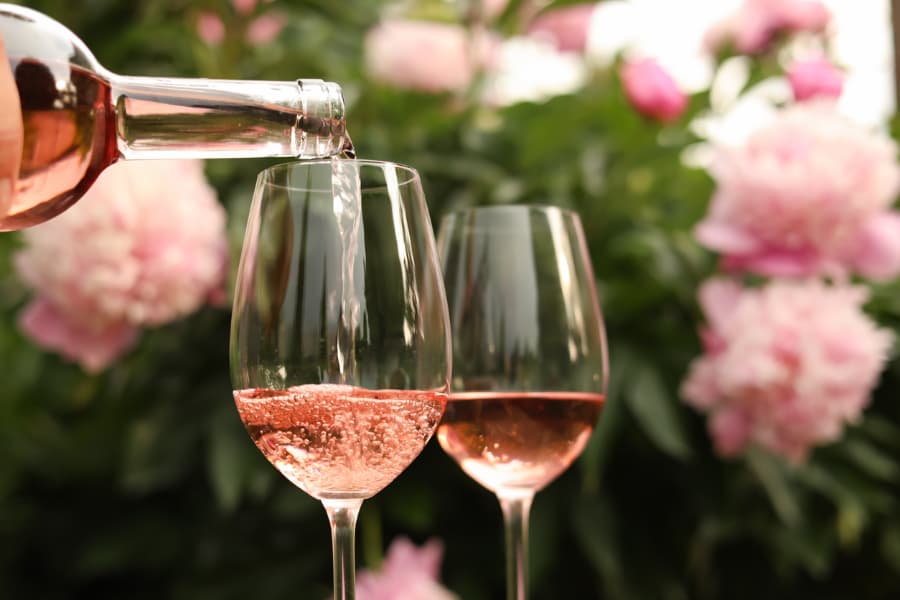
x: 594, y: 525
x: 230, y: 461
x: 770, y: 471
x: 597, y: 453
x: 153, y: 451
x: 871, y: 460
x: 890, y: 545
x: 650, y: 402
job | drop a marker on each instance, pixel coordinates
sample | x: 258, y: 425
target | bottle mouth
x: 321, y: 122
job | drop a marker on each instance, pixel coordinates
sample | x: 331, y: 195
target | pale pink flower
x: 210, y: 28
x: 92, y: 343
x: 652, y: 91
x: 756, y: 23
x: 807, y: 194
x: 484, y: 10
x: 144, y: 246
x: 876, y: 252
x: 408, y: 573
x: 243, y: 7
x: 566, y: 27
x: 493, y: 8
x: 815, y: 78
x: 786, y: 366
x: 265, y: 28
x: 424, y: 56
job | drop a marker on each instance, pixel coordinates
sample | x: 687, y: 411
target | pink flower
x: 210, y: 28
x: 408, y: 573
x: 789, y: 364
x: 652, y: 91
x: 243, y: 7
x: 265, y: 28
x: 93, y: 344
x: 757, y: 22
x: 424, y: 56
x: 145, y: 245
x: 876, y: 253
x: 808, y: 194
x: 815, y: 78
x: 566, y: 27
x: 485, y: 10
x: 493, y: 8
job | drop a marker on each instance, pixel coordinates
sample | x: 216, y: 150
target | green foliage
x: 141, y: 482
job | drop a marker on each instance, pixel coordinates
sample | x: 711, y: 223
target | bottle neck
x: 209, y: 118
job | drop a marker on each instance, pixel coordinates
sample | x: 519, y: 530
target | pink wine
x: 77, y: 123
x: 518, y: 440
x: 339, y: 441
x: 69, y: 139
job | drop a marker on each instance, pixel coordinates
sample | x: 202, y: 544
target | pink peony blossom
x: 424, y: 56
x: 210, y: 28
x: 484, y: 10
x: 566, y: 27
x: 808, y: 194
x: 92, y: 343
x: 144, y: 246
x: 243, y: 7
x: 756, y: 23
x: 652, y: 91
x: 265, y: 28
x: 408, y: 573
x: 493, y: 8
x: 815, y: 78
x: 786, y: 366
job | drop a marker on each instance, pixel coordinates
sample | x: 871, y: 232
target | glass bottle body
x: 78, y: 118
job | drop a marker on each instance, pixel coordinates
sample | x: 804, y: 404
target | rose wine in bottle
x: 78, y: 118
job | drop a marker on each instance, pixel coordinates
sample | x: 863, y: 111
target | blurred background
x: 749, y: 447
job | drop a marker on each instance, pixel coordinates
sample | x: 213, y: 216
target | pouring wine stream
x: 347, y: 206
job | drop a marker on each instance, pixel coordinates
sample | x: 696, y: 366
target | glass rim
x: 513, y: 208
x: 264, y: 176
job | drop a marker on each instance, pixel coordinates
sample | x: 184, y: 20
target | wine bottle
x: 79, y: 118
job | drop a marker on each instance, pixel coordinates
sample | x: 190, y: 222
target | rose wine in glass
x: 518, y: 440
x: 530, y: 357
x: 340, y: 345
x: 339, y: 441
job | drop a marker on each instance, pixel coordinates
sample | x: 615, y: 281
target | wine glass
x: 340, y: 348
x: 530, y: 357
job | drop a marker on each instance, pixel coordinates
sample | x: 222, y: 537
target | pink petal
x: 243, y: 7
x: 93, y: 349
x: 725, y: 238
x: 877, y: 252
x: 805, y: 15
x: 776, y: 263
x: 265, y: 29
x: 730, y: 430
x: 719, y: 299
x: 652, y: 91
x: 816, y: 78
x: 403, y: 555
x: 210, y: 28
x: 566, y: 27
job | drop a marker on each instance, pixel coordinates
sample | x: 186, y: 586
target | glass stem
x: 515, y: 520
x: 342, y: 516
